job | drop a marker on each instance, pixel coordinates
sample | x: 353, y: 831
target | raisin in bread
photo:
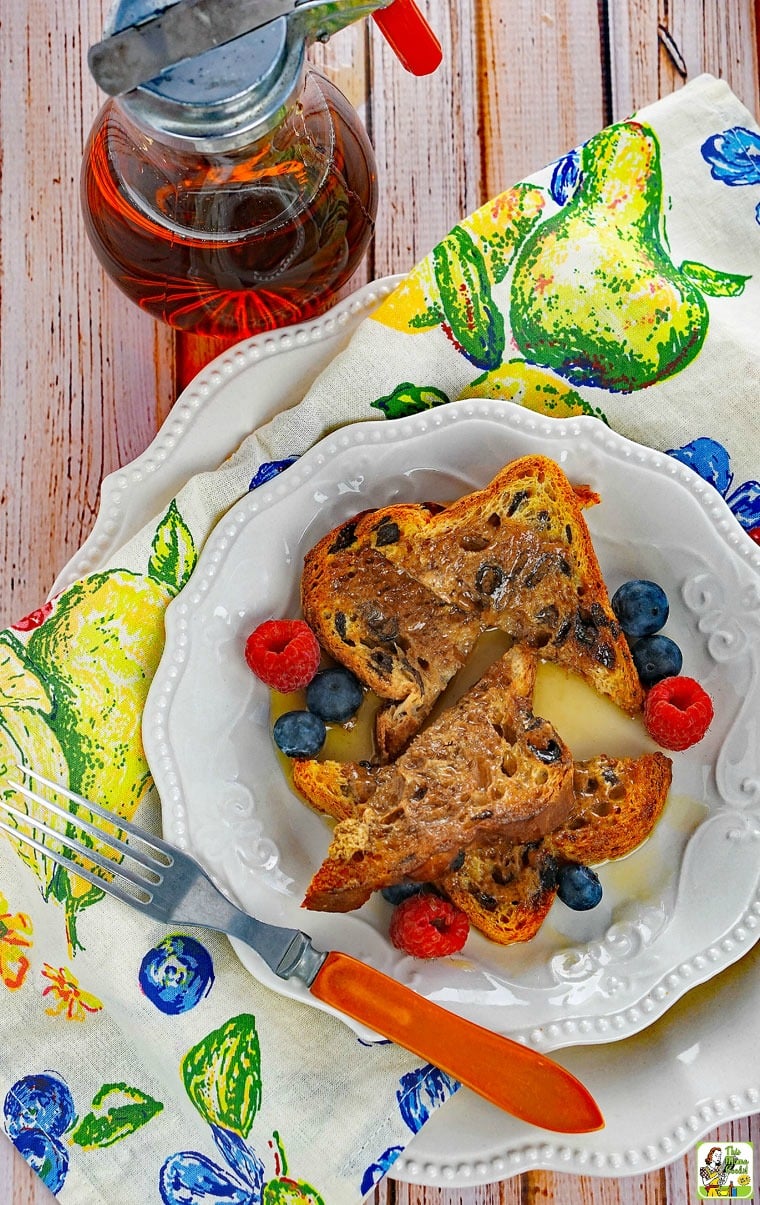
x: 486, y: 768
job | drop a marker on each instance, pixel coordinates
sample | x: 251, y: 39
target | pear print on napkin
x: 595, y: 295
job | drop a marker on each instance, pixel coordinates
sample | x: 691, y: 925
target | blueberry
x: 400, y: 892
x: 578, y: 886
x: 334, y: 695
x: 176, y: 974
x: 655, y: 658
x: 299, y: 733
x: 641, y: 607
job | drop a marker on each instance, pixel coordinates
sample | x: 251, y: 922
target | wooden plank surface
x: 87, y: 379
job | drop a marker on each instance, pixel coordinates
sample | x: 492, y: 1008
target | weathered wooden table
x: 87, y: 378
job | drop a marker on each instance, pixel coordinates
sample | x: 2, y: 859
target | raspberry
x: 677, y: 712
x: 284, y: 653
x: 426, y: 926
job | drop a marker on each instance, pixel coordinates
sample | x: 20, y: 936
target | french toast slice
x: 340, y: 789
x: 504, y: 890
x: 507, y: 889
x: 618, y: 801
x: 486, y: 768
x: 519, y: 556
x: 399, y: 638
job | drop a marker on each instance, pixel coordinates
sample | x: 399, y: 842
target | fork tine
x: 74, y: 818
x: 147, y: 838
x: 74, y: 867
x: 76, y: 847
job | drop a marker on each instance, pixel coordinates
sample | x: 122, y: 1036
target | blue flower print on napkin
x: 566, y: 177
x: 190, y: 1178
x: 270, y: 469
x: 418, y: 1094
x: 734, y: 158
x: 421, y: 1091
x: 377, y: 1170
x: 712, y: 461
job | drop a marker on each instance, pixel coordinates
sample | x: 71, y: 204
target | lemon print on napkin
x: 26, y: 732
x: 531, y: 387
x: 73, y: 695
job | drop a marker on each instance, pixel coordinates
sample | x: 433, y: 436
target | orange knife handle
x: 516, y: 1078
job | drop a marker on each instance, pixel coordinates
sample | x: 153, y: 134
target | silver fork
x: 170, y: 886
x: 163, y: 882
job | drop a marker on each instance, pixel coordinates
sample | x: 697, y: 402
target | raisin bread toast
x: 518, y: 555
x: 618, y: 801
x: 487, y: 767
x: 507, y: 889
x: 504, y: 890
x: 400, y: 639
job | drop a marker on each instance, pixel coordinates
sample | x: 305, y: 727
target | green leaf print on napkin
x: 409, y: 399
x: 173, y: 551
x: 222, y: 1075
x: 472, y: 320
x: 488, y: 240
x: 712, y: 282
x: 117, y: 1111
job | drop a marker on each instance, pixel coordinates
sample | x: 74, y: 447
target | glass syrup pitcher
x: 229, y: 188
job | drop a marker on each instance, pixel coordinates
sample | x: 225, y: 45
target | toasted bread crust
x: 486, y: 768
x: 338, y: 789
x: 618, y: 801
x: 505, y: 890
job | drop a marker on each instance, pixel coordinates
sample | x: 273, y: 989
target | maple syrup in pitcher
x: 232, y: 241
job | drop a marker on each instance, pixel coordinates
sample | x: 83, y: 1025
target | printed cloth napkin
x: 144, y: 1065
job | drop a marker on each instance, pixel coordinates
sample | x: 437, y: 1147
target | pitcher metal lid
x: 224, y: 72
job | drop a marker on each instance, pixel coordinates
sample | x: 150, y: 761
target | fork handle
x: 516, y: 1078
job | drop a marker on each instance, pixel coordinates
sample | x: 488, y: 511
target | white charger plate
x: 586, y: 977
x: 668, y: 1085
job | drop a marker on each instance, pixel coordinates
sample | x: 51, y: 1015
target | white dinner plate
x: 586, y: 977
x: 661, y: 1090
